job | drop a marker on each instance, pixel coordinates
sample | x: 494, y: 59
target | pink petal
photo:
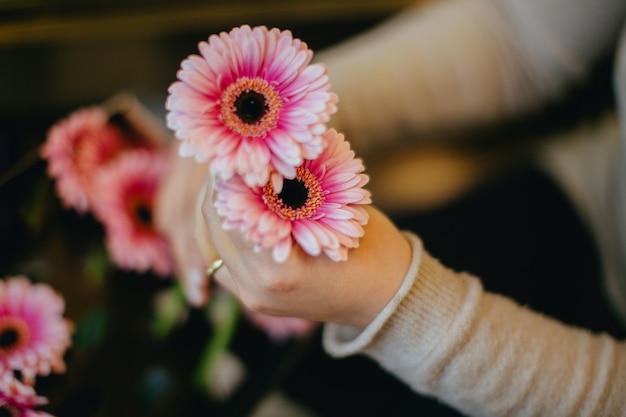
x: 281, y: 250
x: 306, y: 238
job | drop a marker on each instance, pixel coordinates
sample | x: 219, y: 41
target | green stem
x: 218, y: 343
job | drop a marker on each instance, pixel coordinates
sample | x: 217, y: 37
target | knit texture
x: 484, y: 354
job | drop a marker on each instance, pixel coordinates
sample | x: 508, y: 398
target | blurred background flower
x: 34, y: 335
x: 124, y: 198
x: 76, y: 148
x: 281, y: 329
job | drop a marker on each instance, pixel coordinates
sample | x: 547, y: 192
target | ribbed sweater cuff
x: 415, y: 319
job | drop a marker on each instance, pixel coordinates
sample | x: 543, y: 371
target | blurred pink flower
x: 19, y: 400
x: 251, y: 103
x: 124, y: 203
x: 280, y: 329
x: 33, y: 333
x: 76, y: 147
x: 321, y: 209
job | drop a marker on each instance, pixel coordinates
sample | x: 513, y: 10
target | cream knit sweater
x: 459, y: 63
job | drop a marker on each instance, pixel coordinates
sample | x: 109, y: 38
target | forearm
x: 459, y: 63
x: 484, y: 354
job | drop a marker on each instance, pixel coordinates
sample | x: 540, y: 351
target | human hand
x: 174, y: 216
x: 350, y: 292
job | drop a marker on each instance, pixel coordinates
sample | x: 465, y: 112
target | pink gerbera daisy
x: 33, y: 333
x: 281, y: 329
x: 19, y: 400
x: 126, y: 192
x: 77, y: 147
x: 251, y: 103
x: 321, y: 208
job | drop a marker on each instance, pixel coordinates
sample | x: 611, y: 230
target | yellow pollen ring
x: 273, y: 102
x: 315, y: 197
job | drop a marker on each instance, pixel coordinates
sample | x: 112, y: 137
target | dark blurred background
x: 60, y: 53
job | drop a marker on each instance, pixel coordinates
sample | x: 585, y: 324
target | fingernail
x: 193, y: 286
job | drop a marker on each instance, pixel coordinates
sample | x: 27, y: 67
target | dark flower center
x: 8, y: 338
x: 250, y: 106
x: 294, y: 193
x: 14, y: 333
x: 299, y: 198
x: 144, y: 214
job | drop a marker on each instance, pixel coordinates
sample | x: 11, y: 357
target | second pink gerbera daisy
x: 320, y: 209
x: 126, y: 192
x: 251, y: 103
x: 33, y: 333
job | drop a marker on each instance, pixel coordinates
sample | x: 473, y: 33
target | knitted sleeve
x: 451, y: 64
x: 484, y: 354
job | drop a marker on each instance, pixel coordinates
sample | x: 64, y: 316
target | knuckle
x: 255, y: 304
x: 277, y: 283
